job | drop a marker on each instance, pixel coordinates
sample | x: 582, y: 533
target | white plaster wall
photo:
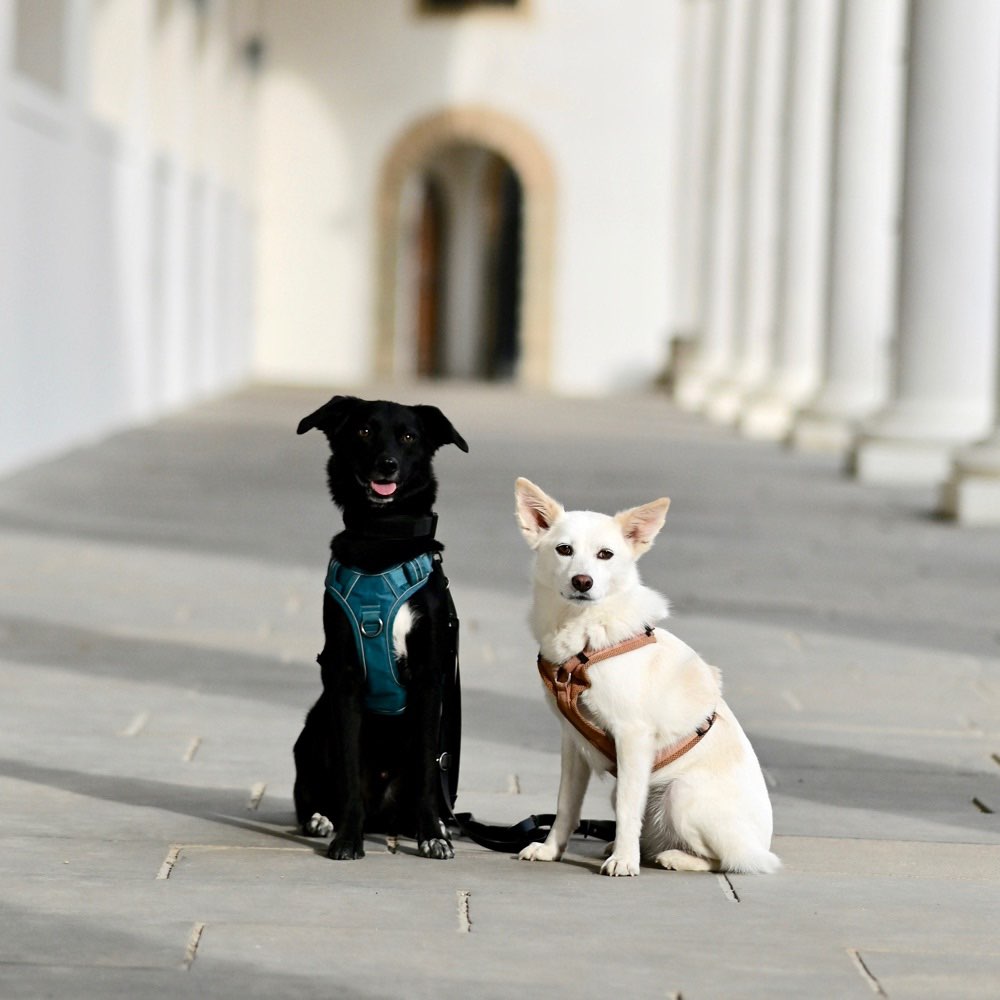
x: 62, y: 377
x: 591, y: 79
x: 63, y: 369
x: 125, y: 261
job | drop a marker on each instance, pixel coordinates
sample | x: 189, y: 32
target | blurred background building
x: 785, y: 212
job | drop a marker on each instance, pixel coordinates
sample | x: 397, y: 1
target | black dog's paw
x: 437, y: 848
x: 349, y: 840
x: 438, y: 845
x: 346, y: 848
x: 318, y: 826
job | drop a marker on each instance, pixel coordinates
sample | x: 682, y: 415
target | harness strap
x: 370, y: 602
x: 566, y: 681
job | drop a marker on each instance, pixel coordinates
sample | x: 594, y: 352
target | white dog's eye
x: 605, y: 554
x: 564, y: 550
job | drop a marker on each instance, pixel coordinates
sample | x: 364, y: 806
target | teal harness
x: 371, y: 602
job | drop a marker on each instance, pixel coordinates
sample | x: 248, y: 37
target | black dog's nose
x: 387, y: 466
x: 582, y: 583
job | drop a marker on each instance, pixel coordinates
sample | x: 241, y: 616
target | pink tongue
x: 384, y: 489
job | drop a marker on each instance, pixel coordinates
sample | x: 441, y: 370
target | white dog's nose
x: 582, y: 583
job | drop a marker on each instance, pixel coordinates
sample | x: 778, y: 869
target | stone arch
x: 504, y: 135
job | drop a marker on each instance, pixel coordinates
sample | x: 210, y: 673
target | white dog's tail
x: 746, y: 862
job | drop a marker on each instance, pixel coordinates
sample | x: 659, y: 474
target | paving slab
x: 160, y: 597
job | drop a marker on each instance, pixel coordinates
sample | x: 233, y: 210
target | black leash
x: 505, y: 839
x: 513, y: 839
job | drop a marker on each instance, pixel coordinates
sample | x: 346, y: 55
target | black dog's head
x: 382, y: 453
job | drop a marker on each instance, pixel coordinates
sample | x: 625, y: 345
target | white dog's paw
x: 318, y: 826
x: 617, y: 866
x: 681, y: 861
x: 540, y: 851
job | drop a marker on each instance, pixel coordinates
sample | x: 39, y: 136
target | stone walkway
x: 159, y: 618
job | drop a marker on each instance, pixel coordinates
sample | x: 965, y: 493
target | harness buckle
x: 371, y: 623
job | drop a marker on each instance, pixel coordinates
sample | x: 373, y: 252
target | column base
x: 828, y: 435
x: 972, y: 493
x: 900, y: 462
x: 725, y: 401
x: 691, y: 390
x: 768, y: 417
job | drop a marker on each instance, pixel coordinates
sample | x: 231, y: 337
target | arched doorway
x: 466, y: 245
x: 460, y: 254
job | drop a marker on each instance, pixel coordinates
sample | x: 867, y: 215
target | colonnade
x: 843, y: 234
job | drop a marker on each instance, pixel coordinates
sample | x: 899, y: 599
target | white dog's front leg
x: 635, y: 762
x: 574, y: 776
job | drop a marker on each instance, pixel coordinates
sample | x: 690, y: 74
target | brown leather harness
x: 568, y: 680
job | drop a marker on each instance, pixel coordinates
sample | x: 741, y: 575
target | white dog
x: 690, y: 795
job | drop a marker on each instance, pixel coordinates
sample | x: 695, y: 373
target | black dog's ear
x: 330, y: 417
x: 438, y: 427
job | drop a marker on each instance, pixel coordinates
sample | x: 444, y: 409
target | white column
x: 133, y: 24
x: 11, y: 419
x: 949, y: 264
x: 695, y: 97
x: 762, y: 246
x: 715, y: 346
x: 172, y: 98
x: 6, y: 40
x: 7, y: 193
x: 802, y: 300
x: 865, y: 224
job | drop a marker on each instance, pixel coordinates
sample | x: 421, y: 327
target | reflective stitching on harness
x: 371, y: 601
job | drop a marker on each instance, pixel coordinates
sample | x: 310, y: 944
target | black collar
x: 399, y: 527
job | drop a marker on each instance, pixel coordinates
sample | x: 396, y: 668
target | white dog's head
x: 583, y: 556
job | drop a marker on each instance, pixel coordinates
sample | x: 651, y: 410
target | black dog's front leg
x: 348, y: 841
x: 432, y: 835
x: 343, y: 685
x: 427, y: 649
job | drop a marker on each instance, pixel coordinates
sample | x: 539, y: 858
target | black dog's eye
x: 407, y: 437
x: 564, y: 550
x: 364, y: 433
x: 605, y: 554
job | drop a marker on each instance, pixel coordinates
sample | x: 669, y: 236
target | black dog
x: 363, y: 762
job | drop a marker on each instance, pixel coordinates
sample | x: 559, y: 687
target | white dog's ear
x: 641, y: 525
x: 536, y: 511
